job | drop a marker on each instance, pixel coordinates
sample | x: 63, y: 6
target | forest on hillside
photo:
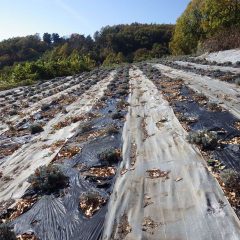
x: 24, y: 60
x: 205, y: 25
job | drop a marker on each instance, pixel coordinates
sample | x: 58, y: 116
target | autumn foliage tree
x: 203, y: 20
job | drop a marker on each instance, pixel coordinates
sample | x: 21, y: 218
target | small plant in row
x: 112, y: 129
x: 36, y: 128
x: 48, y: 179
x: 110, y: 156
x: 206, y: 139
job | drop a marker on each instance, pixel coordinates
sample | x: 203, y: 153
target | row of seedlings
x: 229, y: 77
x: 22, y: 133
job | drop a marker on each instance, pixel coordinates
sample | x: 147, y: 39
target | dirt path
x: 164, y: 190
x: 18, y: 167
x: 226, y: 94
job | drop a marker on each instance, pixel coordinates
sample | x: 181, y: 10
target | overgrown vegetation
x: 207, y: 25
x: 48, y: 179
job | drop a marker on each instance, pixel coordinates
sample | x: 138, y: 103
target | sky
x: 25, y: 17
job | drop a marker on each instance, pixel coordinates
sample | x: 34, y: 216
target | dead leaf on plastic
x: 101, y: 172
x: 157, y: 173
x: 90, y: 203
x: 124, y: 227
x: 27, y: 236
x: 123, y: 171
x: 21, y: 207
x: 147, y: 201
x: 149, y: 225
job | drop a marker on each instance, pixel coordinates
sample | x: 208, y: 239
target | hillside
x: 24, y: 60
x: 139, y: 151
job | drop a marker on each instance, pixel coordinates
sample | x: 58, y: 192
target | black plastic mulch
x: 58, y: 217
x: 227, y: 154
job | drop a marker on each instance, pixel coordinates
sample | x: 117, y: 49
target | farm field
x: 141, y: 151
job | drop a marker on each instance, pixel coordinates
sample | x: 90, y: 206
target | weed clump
x: 110, y: 156
x: 36, y: 128
x: 48, y: 179
x: 6, y: 233
x: 112, y: 130
x: 230, y: 181
x: 206, y: 139
x: 122, y: 104
x: 117, y: 115
x: 45, y: 107
x: 13, y: 112
x: 87, y: 127
x: 214, y: 107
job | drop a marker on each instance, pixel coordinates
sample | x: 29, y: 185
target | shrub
x: 6, y: 233
x: 207, y: 139
x: 45, y: 107
x: 226, y: 38
x: 231, y: 181
x: 48, y: 179
x: 110, y: 156
x: 117, y: 115
x: 36, y: 128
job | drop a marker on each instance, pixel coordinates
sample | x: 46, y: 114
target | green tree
x: 47, y: 38
x: 203, y: 19
x: 114, y: 58
x: 56, y: 38
x: 141, y: 55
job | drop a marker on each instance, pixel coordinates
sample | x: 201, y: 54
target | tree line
x: 24, y: 60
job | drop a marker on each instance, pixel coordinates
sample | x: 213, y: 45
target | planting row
x: 68, y: 198
x: 212, y: 128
